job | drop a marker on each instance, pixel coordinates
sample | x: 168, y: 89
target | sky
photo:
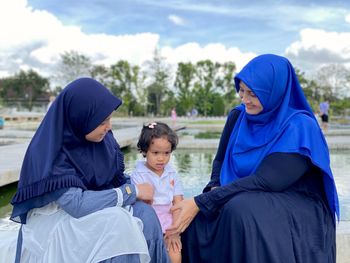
x: 311, y: 34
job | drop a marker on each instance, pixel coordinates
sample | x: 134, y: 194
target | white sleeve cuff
x: 136, y: 191
x: 120, y: 198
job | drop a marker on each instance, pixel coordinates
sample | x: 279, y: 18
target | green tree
x: 121, y: 75
x: 169, y: 102
x: 159, y: 73
x: 226, y: 83
x: 100, y: 73
x: 71, y: 66
x: 127, y: 82
x: 205, y: 85
x: 25, y: 88
x: 310, y: 88
x: 341, y: 107
x: 140, y: 103
x: 334, y: 82
x: 185, y: 76
x: 218, y: 108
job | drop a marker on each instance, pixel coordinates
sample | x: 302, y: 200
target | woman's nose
x: 245, y: 98
x: 108, y: 126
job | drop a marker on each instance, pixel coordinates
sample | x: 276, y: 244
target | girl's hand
x: 145, y: 192
x: 173, y: 243
x: 188, y: 209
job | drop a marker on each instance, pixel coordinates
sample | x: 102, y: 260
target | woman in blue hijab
x: 73, y: 200
x: 272, y: 196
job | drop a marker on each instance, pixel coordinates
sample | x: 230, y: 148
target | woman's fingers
x: 174, y: 229
x: 175, y: 207
x: 184, y: 225
x: 188, y: 210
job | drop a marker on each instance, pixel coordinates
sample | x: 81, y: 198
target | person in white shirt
x: 156, y: 143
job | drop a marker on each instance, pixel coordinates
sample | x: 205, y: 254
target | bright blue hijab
x: 59, y: 156
x: 286, y: 124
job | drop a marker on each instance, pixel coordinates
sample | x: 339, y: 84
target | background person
x: 173, y: 116
x: 324, y: 108
x: 272, y: 196
x: 156, y: 143
x: 73, y: 200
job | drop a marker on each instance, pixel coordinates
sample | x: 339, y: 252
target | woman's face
x: 100, y: 132
x: 249, y: 99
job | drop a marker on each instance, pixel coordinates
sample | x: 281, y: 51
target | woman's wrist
x: 195, y: 204
x: 126, y: 194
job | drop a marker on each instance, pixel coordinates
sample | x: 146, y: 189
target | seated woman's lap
x: 253, y: 226
x: 152, y: 232
x: 151, y: 225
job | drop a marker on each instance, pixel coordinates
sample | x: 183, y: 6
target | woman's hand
x: 188, y: 209
x: 145, y: 192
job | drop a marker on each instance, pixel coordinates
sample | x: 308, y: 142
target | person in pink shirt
x: 173, y: 116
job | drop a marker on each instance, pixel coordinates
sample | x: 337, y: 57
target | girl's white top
x: 165, y: 186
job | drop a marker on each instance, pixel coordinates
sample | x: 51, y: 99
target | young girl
x: 156, y: 143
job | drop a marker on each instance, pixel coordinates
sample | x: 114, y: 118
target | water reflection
x: 6, y: 194
x: 340, y: 162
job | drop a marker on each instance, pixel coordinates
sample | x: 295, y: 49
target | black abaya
x: 279, y: 214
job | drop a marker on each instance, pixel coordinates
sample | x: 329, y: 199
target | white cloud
x: 316, y: 14
x: 102, y: 49
x: 176, y: 20
x: 20, y: 25
x: 347, y: 18
x: 193, y: 52
x: 36, y: 38
x: 318, y: 47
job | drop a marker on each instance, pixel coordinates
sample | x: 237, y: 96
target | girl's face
x: 100, y: 132
x: 249, y: 99
x: 158, y: 155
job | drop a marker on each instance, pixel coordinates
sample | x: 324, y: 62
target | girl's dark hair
x: 156, y: 130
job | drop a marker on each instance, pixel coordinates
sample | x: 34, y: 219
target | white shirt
x: 165, y: 186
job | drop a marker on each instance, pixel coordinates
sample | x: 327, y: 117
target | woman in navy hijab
x: 73, y: 200
x: 272, y: 196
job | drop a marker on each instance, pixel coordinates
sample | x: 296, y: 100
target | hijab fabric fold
x: 59, y: 156
x: 286, y: 124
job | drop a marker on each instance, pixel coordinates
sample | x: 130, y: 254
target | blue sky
x: 309, y: 33
x: 258, y: 26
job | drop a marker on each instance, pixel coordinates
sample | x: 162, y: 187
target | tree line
x: 155, y: 87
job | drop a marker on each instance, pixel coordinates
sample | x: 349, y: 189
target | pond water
x: 194, y: 166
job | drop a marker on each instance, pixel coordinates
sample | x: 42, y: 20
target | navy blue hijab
x: 59, y: 156
x: 286, y: 124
